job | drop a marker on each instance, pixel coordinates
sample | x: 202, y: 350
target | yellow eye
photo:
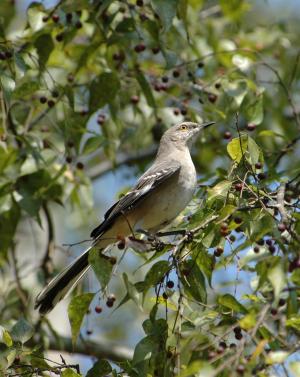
x: 183, y: 127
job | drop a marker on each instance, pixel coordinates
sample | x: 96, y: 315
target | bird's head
x: 185, y: 133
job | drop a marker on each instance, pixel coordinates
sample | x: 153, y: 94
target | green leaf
x: 44, y: 45
x: 248, y: 321
x: 92, y: 144
x: 277, y: 278
x: 101, y: 266
x: 254, y: 111
x: 35, y: 14
x: 99, y: 369
x: 26, y: 88
x: 77, y: 310
x: 103, y: 90
x: 70, y: 373
x: 293, y: 322
x: 254, y: 151
x: 8, y: 86
x: 8, y: 224
x: 220, y: 190
x: 166, y: 11
x: 245, y: 147
x: 194, y: 281
x: 22, y: 331
x: 237, y: 148
x: 234, y: 9
x: 205, y: 262
x: 5, y: 337
x: 155, y: 274
x: 198, y: 368
x: 145, y: 88
x: 132, y: 291
x: 143, y: 350
x: 230, y: 302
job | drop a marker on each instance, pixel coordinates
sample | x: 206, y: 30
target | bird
x: 158, y: 197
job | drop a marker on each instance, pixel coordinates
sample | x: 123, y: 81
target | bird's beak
x: 207, y: 124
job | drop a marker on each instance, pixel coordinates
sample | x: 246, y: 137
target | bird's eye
x: 183, y: 127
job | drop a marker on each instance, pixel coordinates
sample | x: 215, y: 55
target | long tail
x: 62, y: 284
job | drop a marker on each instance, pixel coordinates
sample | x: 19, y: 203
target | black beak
x: 207, y: 124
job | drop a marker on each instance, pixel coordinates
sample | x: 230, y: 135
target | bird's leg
x: 152, y: 237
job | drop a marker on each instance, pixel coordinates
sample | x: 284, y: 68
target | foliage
x: 82, y: 82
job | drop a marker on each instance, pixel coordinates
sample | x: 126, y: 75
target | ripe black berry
x: 227, y: 135
x: 261, y: 176
x: 170, y: 284
x: 43, y: 99
x: 98, y: 309
x: 238, y: 336
x: 79, y: 165
x: 176, y: 73
x: 238, y: 186
x: 256, y: 249
x: 269, y: 242
x: 212, y: 97
x: 59, y: 37
x: 272, y: 249
x: 155, y: 50
x: 69, y: 17
x: 139, y: 47
x: 55, y: 18
x: 134, y: 99
x: 251, y: 127
x: 281, y: 302
x: 121, y: 245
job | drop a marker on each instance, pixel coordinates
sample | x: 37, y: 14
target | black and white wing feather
x: 148, y: 183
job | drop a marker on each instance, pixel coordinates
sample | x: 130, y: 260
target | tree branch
x: 101, y: 349
x: 121, y: 159
x: 45, y: 265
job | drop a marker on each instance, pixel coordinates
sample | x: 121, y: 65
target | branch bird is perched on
x: 161, y: 193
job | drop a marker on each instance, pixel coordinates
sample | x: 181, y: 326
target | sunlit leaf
x: 77, y: 309
x: 231, y: 302
x: 69, y: 373
x: 101, y: 266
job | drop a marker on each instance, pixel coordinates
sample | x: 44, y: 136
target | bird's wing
x: 148, y: 183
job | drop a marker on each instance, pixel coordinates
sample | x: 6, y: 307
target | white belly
x: 165, y: 205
